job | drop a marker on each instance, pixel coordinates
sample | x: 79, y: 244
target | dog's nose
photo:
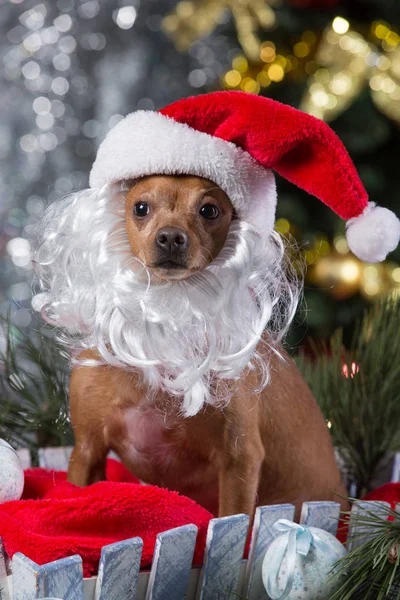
x: 171, y: 239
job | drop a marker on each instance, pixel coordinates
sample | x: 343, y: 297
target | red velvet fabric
x: 390, y: 492
x: 299, y: 147
x: 56, y: 519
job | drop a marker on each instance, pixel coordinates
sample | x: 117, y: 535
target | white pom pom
x: 374, y: 234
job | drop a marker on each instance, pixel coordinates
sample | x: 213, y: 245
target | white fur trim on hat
x: 374, y: 234
x: 149, y: 143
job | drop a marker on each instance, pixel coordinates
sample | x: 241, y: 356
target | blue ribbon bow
x: 295, y: 539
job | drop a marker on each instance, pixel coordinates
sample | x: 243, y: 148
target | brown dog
x: 261, y: 448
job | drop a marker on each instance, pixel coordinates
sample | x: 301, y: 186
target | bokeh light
x: 69, y: 72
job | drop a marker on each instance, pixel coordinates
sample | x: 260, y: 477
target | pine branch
x: 358, y: 389
x: 371, y: 571
x: 33, y: 388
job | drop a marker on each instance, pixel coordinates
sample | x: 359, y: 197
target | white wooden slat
x: 119, y: 570
x: 4, y: 595
x: 262, y: 535
x: 55, y: 458
x: 324, y: 515
x: 27, y: 579
x: 64, y: 578
x: 25, y: 457
x: 220, y: 577
x: 226, y: 538
x: 89, y: 588
x: 59, y: 579
x: 89, y: 585
x: 172, y: 562
x: 357, y: 534
x: 114, y: 456
x: 193, y: 583
x: 385, y: 471
x: 142, y: 585
x: 396, y: 468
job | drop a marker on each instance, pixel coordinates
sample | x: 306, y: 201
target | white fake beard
x: 182, y: 335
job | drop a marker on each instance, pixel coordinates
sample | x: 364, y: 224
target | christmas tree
x: 72, y: 69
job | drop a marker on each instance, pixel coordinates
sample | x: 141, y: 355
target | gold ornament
x: 332, y: 268
x: 270, y: 66
x: 343, y: 275
x: 194, y: 19
x: 347, y: 64
x: 339, y: 276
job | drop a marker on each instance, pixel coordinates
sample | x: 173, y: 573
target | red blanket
x: 56, y: 519
x: 390, y: 492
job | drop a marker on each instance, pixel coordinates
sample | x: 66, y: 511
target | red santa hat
x: 236, y: 140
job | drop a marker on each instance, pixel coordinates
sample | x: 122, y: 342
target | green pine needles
x: 33, y: 388
x: 358, y: 390
x: 371, y: 571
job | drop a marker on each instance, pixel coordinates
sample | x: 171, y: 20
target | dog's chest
x: 148, y: 435
x: 161, y: 451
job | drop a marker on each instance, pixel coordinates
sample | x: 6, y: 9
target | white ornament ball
x: 11, y: 473
x: 310, y: 574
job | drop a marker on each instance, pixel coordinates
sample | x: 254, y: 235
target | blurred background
x: 70, y: 69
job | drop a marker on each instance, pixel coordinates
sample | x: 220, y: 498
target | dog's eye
x: 141, y: 209
x: 209, y: 211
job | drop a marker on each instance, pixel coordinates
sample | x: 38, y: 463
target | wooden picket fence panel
x: 224, y: 575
